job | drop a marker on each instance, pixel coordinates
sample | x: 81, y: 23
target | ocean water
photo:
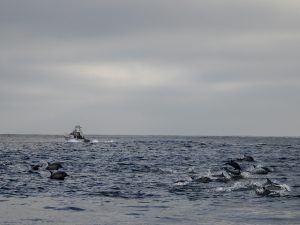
x: 139, y: 180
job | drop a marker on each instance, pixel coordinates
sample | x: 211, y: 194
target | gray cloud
x: 150, y: 67
x: 89, y: 18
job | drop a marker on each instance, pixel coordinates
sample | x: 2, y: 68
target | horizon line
x: 169, y: 135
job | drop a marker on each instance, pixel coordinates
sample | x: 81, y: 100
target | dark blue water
x: 146, y: 180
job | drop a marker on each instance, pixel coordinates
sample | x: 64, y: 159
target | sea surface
x: 139, y: 180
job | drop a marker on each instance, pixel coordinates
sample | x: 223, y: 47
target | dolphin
x: 58, y: 175
x: 261, y: 170
x: 272, y: 186
x: 35, y: 167
x: 247, y: 158
x: 267, y: 192
x: 232, y: 172
x: 234, y: 164
x: 53, y: 166
x: 203, y: 179
x: 220, y: 177
x: 266, y: 169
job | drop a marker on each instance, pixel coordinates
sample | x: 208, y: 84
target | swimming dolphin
x: 35, y: 167
x: 247, y: 158
x: 232, y: 172
x: 272, y: 186
x: 220, y: 177
x: 58, y: 175
x: 266, y: 169
x: 261, y: 170
x: 53, y: 166
x: 203, y: 179
x: 266, y: 192
x: 234, y: 164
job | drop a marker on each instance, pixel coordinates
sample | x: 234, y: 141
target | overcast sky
x: 222, y: 67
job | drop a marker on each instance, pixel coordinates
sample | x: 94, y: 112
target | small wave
x: 181, y: 183
x: 163, y: 170
x: 113, y: 194
x: 70, y: 208
x: 246, y: 175
x: 108, y: 141
x: 238, y: 186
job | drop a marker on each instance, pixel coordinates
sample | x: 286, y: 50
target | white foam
x: 191, y: 169
x: 220, y: 189
x: 72, y: 140
x: 94, y: 141
x: 285, y: 187
x: 181, y: 183
x: 246, y: 174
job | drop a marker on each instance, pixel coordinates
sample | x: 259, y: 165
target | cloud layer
x: 150, y: 67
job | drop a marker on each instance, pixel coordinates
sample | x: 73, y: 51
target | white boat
x: 76, y: 136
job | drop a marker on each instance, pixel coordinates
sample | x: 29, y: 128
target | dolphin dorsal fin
x: 269, y: 181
